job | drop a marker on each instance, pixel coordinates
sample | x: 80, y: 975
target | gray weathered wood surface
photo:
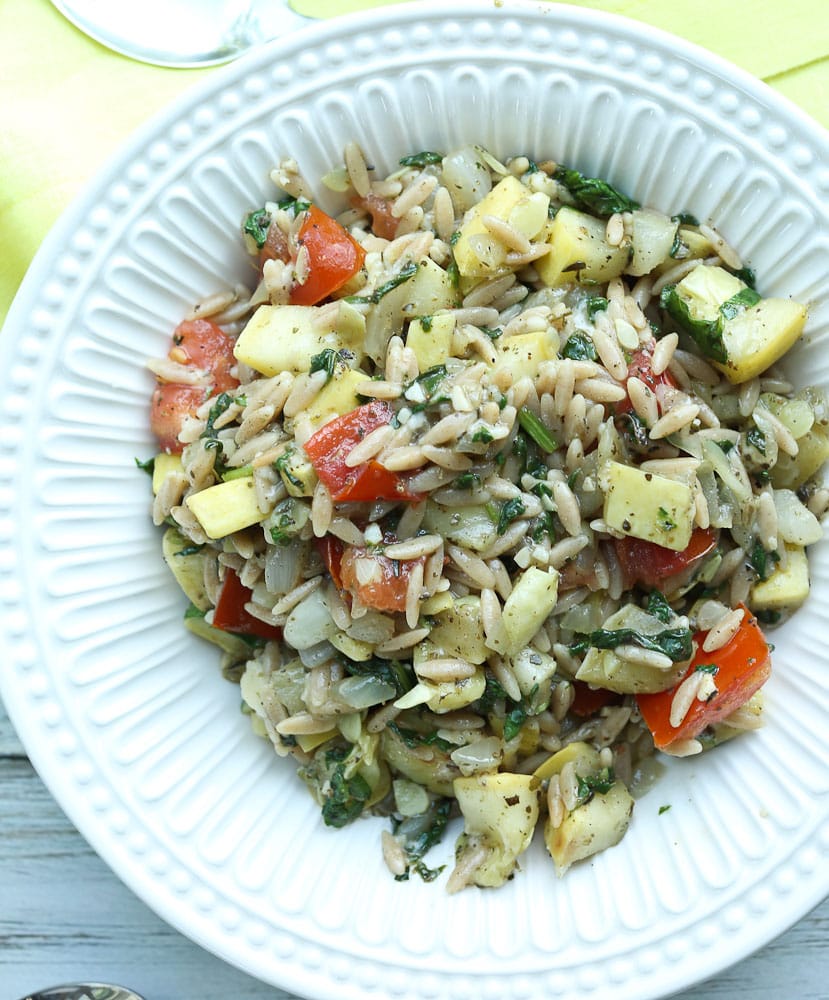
x: 65, y: 916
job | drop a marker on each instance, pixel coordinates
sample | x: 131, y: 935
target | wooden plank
x: 66, y: 916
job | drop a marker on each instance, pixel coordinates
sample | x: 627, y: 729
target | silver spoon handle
x: 84, y: 991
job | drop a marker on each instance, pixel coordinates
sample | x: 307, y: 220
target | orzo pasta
x: 485, y: 491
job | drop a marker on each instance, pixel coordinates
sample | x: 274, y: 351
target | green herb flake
x: 706, y: 668
x: 757, y: 439
x: 744, y: 299
x: 591, y: 784
x: 537, y: 430
x: 663, y: 809
x: 325, y: 361
x: 761, y: 561
x: 513, y: 722
x: 418, y: 846
x: 346, y: 799
x: 467, y: 481
x: 664, y: 520
x: 424, y: 159
x: 408, y: 271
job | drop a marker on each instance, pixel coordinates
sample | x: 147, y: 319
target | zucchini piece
x: 226, y: 507
x: 579, y: 251
x: 500, y: 812
x: 285, y: 338
x: 430, y: 337
x: 787, y: 587
x: 470, y: 526
x: 523, y: 353
x: 597, y: 824
x: 525, y: 610
x: 458, y: 631
x: 511, y: 202
x: 741, y: 333
x: 186, y: 561
x: 336, y: 398
x: 652, y: 237
x: 163, y: 465
x: 647, y: 505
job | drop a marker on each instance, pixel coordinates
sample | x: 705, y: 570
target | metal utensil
x: 84, y: 991
x: 182, y: 33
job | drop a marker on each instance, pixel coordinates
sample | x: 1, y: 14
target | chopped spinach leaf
x: 346, y: 798
x: 757, y: 439
x: 510, y: 510
x: 663, y: 809
x: 325, y: 361
x: 673, y: 642
x: 596, y: 304
x: 395, y: 673
x: 147, y: 466
x: 738, y: 303
x: 423, y: 159
x: 579, y: 347
x: 592, y: 194
x: 747, y: 275
x: 761, y: 561
x: 409, y: 270
x: 659, y: 607
x: 419, y: 845
x: 256, y: 226
x: 590, y: 784
x: 412, y: 738
x: 467, y: 481
x: 534, y: 426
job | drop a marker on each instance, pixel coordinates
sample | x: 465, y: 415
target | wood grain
x: 65, y: 916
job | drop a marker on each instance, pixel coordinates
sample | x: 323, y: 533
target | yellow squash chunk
x: 339, y: 396
x: 226, y: 507
x: 285, y: 338
x: 761, y: 335
x: 579, y: 251
x: 163, y: 465
x: 787, y: 587
x: 522, y: 354
x: 584, y: 758
x: 431, y: 339
x: 590, y: 828
x: 511, y: 202
x: 499, y: 813
x: 649, y: 506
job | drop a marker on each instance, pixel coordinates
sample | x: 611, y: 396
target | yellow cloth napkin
x: 68, y: 102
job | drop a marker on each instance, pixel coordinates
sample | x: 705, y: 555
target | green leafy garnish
x: 409, y: 270
x: 590, y: 784
x: 659, y: 607
x: 346, y: 798
x: 757, y: 439
x: 535, y: 427
x: 673, y: 642
x: 592, y: 194
x: 762, y: 561
x: 256, y: 226
x: 596, y: 304
x: 412, y: 738
x: 744, y: 299
x: 423, y: 159
x: 664, y: 520
x: 510, y: 510
x: 325, y: 361
x: 395, y: 673
x: 147, y: 466
x: 418, y: 846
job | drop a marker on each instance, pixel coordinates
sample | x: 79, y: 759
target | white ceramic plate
x: 126, y: 717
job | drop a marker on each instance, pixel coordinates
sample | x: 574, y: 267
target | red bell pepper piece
x: 651, y: 564
x: 331, y: 549
x: 588, y: 700
x: 333, y: 442
x: 231, y: 616
x: 334, y: 257
x: 739, y: 668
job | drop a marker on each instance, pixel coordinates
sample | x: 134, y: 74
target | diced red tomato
x: 334, y: 441
x: 651, y: 565
x: 334, y: 257
x: 588, y: 700
x: 171, y: 403
x: 641, y: 367
x: 231, y: 616
x: 377, y: 581
x: 383, y: 223
x: 743, y: 665
x: 331, y: 549
x: 203, y: 345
